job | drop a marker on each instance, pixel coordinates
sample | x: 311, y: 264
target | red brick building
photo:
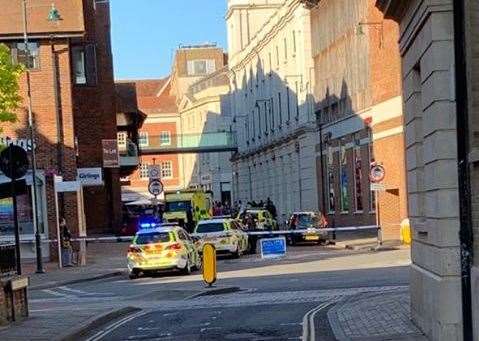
x: 359, y: 108
x: 73, y: 101
x: 153, y: 100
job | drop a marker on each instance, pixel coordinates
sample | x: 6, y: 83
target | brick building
x: 152, y: 99
x: 359, y: 111
x: 73, y: 100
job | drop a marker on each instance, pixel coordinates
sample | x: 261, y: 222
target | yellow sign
x: 209, y: 264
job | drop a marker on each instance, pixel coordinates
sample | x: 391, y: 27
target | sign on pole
x: 273, y: 247
x: 377, y: 173
x: 90, y: 176
x: 155, y: 187
x: 154, y: 172
x: 111, y: 156
x: 378, y: 187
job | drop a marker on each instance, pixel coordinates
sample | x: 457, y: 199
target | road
x: 265, y: 300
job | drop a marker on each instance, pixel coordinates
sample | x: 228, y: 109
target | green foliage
x: 10, y: 99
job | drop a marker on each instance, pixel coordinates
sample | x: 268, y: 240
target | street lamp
x: 53, y: 16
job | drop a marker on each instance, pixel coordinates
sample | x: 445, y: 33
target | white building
x: 271, y: 74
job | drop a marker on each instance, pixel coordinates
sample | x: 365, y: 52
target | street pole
x: 32, y: 139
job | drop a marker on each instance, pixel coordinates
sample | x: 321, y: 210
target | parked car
x: 308, y: 226
x: 163, y: 247
x: 225, y: 234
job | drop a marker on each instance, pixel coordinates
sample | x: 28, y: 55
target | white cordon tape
x: 252, y: 233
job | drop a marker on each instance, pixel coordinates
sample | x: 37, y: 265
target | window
x: 121, y: 137
x: 285, y: 49
x: 343, y: 178
x: 144, y: 171
x: 165, y: 138
x: 288, y: 104
x: 254, y: 125
x: 330, y: 180
x: 358, y: 174
x: 270, y: 63
x: 200, y: 67
x: 297, y: 100
x: 30, y: 58
x: 144, y: 139
x: 152, y: 238
x: 210, y: 228
x: 84, y: 65
x: 294, y: 41
x: 271, y: 110
x: 280, y: 110
x: 166, y: 170
x: 372, y: 194
x: 277, y: 56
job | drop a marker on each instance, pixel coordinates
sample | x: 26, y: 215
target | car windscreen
x: 307, y: 220
x: 176, y: 206
x: 153, y: 238
x: 210, y: 227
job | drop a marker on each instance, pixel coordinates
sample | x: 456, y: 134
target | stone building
x: 271, y: 77
x: 358, y: 104
x: 73, y: 107
x: 439, y: 48
x: 205, y: 111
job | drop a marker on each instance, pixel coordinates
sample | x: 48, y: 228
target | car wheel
x: 134, y: 274
x: 237, y: 253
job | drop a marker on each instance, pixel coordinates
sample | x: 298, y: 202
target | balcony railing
x: 189, y: 143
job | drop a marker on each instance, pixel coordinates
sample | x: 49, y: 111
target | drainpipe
x: 465, y: 233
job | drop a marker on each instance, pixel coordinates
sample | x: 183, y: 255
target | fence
x: 7, y: 260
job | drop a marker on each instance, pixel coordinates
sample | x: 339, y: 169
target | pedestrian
x: 66, y: 245
x: 271, y: 208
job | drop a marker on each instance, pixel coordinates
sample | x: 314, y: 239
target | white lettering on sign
x: 90, y: 176
x: 23, y: 143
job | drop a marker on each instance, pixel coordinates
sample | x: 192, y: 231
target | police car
x: 225, y: 234
x: 162, y: 247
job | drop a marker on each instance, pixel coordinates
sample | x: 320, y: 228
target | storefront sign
x: 90, y: 176
x: 67, y: 186
x: 206, y: 179
x: 111, y: 156
x: 24, y: 143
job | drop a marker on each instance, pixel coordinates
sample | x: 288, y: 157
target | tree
x: 10, y: 99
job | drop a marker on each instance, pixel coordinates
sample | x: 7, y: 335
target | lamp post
x: 52, y: 16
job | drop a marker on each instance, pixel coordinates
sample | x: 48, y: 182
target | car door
x: 241, y: 235
x: 188, y: 243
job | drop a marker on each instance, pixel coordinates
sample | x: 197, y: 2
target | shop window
x: 166, y: 169
x: 330, y: 183
x: 84, y: 65
x: 30, y: 58
x: 343, y: 178
x: 358, y: 175
x: 165, y: 138
x: 372, y: 194
x: 143, y: 139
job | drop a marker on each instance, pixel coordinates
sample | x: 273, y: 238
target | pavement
x: 315, y: 292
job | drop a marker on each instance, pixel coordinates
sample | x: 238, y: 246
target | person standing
x: 66, y: 245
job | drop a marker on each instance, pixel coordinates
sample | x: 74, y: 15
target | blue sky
x: 146, y: 32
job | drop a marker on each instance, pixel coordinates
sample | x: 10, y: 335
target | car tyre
x: 237, y: 253
x: 134, y: 274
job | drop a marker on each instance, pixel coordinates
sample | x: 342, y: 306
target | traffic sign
x: 273, y: 247
x: 14, y: 162
x: 155, y: 187
x: 377, y: 173
x: 154, y: 172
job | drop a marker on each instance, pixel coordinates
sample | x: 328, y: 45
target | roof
x: 215, y: 220
x: 147, y: 95
x: 71, y: 13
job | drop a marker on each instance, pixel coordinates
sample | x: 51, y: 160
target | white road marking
x: 81, y: 292
x: 292, y: 324
x: 202, y: 330
x: 308, y: 320
x: 58, y: 294
x: 104, y: 332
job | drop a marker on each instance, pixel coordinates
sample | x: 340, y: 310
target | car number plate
x: 312, y: 237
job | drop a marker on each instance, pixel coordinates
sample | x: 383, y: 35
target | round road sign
x: 14, y: 162
x: 155, y: 187
x: 377, y: 173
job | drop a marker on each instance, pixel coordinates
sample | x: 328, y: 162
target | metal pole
x: 38, y: 245
x: 15, y: 216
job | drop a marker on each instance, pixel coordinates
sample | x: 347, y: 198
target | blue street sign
x: 273, y: 247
